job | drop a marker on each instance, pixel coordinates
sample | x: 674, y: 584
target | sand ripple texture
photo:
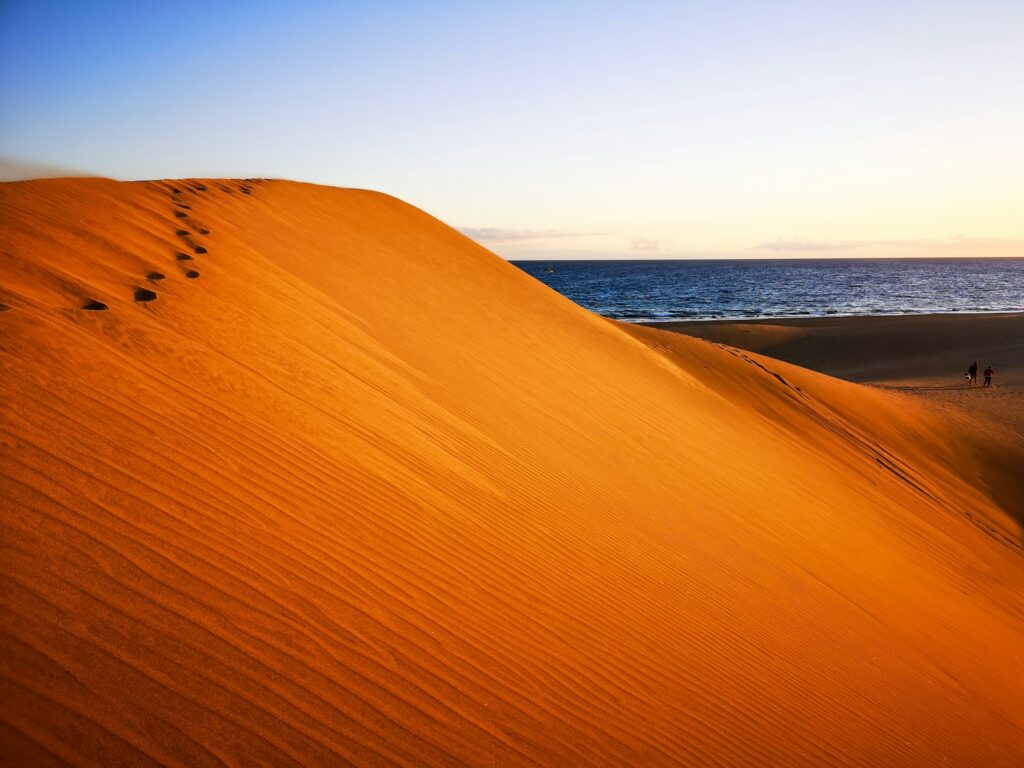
x: 322, y: 482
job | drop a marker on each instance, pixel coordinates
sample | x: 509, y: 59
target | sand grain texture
x: 367, y: 494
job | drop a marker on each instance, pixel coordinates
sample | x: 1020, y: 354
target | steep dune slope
x: 360, y: 491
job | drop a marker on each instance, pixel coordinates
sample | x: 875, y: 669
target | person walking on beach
x: 989, y: 372
x: 972, y: 373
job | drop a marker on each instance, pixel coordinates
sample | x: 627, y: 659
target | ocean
x: 639, y: 291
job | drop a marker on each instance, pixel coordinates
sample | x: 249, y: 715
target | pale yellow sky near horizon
x: 553, y: 243
x: 908, y: 201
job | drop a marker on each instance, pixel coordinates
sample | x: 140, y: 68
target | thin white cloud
x: 648, y: 244
x: 804, y: 245
x: 501, y: 235
x: 800, y: 244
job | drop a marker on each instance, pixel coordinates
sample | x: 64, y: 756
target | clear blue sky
x: 558, y: 129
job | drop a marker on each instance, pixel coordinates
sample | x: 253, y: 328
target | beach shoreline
x: 869, y: 346
x: 925, y: 355
x: 658, y: 322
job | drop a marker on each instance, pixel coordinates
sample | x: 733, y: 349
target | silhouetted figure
x: 989, y: 373
x: 972, y: 373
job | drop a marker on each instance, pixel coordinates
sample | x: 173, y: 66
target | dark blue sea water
x: 690, y: 290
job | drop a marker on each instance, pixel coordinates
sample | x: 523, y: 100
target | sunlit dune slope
x: 362, y: 492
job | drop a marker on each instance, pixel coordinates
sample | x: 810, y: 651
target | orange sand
x: 923, y: 355
x: 363, y: 492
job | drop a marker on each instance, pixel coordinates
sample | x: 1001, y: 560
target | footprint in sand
x: 175, y: 191
x: 192, y: 274
x: 182, y: 232
x: 199, y: 249
x: 155, y: 276
x: 203, y: 231
x: 145, y: 295
x: 200, y: 188
x: 182, y: 256
x: 180, y: 215
x: 94, y: 306
x: 4, y: 308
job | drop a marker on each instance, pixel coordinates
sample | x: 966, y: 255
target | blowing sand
x: 362, y: 492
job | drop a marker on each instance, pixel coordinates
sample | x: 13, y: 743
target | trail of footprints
x: 182, y: 211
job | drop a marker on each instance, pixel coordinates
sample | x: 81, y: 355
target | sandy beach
x: 299, y: 475
x: 923, y: 355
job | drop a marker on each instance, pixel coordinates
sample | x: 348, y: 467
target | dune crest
x: 365, y: 493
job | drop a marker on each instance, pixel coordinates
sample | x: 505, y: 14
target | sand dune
x: 921, y: 355
x: 365, y: 493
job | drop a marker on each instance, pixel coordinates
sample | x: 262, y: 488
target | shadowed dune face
x: 925, y: 356
x: 366, y: 493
